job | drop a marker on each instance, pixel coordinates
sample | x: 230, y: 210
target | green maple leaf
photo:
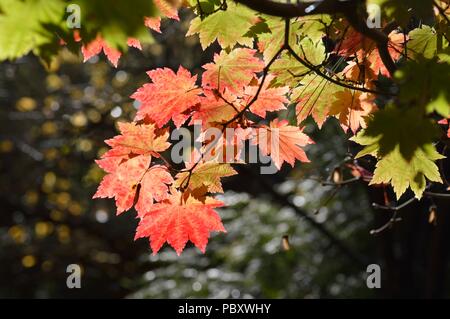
x: 401, y: 173
x: 270, y: 43
x: 423, y: 41
x: 207, y: 174
x: 314, y: 97
x: 425, y: 83
x: 402, y: 141
x: 22, y: 25
x: 116, y: 23
x: 227, y: 26
x: 289, y: 71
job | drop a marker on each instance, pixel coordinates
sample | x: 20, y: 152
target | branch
x: 288, y: 10
x: 284, y: 200
x: 348, y: 8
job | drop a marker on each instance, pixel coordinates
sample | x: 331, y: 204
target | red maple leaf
x: 282, y: 142
x: 166, y: 9
x: 177, y: 220
x: 96, y: 46
x: 169, y: 96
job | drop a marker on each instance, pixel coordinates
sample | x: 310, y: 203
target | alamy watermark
x: 73, y: 21
x: 74, y: 279
x: 373, y: 276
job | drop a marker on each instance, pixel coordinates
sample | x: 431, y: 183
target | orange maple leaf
x: 129, y: 176
x: 352, y: 108
x: 167, y: 9
x: 128, y: 166
x: 282, y: 142
x: 269, y: 99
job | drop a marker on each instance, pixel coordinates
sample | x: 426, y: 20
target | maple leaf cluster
x: 175, y: 209
x: 238, y: 90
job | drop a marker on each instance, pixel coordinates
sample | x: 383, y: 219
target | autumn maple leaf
x: 133, y: 175
x: 268, y: 100
x: 282, y: 142
x: 128, y: 166
x: 168, y: 9
x: 203, y: 174
x: 169, y: 96
x: 214, y: 110
x: 365, y: 49
x: 177, y: 219
x: 352, y: 108
x: 232, y: 71
x: 96, y: 46
x: 139, y: 139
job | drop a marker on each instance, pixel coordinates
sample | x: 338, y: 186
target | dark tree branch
x: 349, y: 8
x: 332, y: 238
x: 288, y: 10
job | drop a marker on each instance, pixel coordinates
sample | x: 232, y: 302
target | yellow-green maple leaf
x: 227, y: 26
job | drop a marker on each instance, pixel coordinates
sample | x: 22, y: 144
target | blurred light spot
x: 63, y: 183
x: 150, y: 275
x: 287, y: 187
x: 299, y: 201
x: 121, y: 76
x: 31, y: 198
x: 63, y: 199
x: 18, y: 234
x: 213, y: 273
x: 116, y: 112
x: 94, y: 116
x: 84, y: 145
x: 63, y: 234
x: 196, y: 286
x: 78, y: 119
x: 43, y: 229
x: 6, y: 146
x: 54, y: 82
x: 235, y: 293
x: 170, y: 284
x: 51, y: 154
x: 322, y: 215
x: 116, y: 98
x: 26, y: 104
x: 101, y: 216
x: 49, y: 128
x: 190, y: 273
x: 28, y: 261
x: 75, y: 209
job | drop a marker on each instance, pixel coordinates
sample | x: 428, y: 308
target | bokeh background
x: 52, y: 126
